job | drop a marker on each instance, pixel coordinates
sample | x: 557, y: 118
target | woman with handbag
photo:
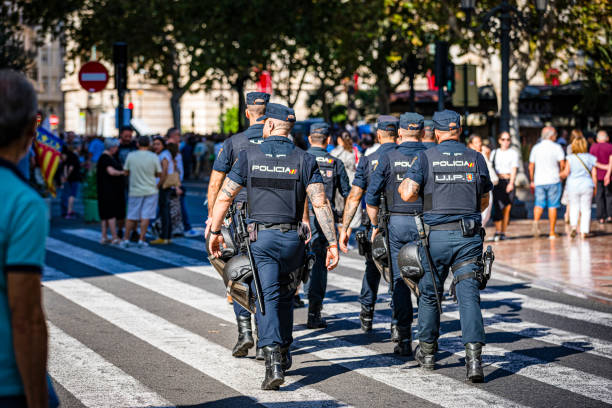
x: 581, y: 186
x: 169, y: 183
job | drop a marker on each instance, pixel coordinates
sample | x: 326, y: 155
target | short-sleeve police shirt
x: 363, y: 168
x: 419, y: 172
x: 276, y: 145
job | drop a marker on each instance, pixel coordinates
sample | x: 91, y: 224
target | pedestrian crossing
x: 527, y: 364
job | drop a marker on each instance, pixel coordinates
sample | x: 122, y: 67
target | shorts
x: 501, y: 199
x: 71, y: 188
x: 142, y: 207
x: 548, y: 195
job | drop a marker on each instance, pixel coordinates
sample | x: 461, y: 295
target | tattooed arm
x: 325, y: 217
x: 350, y: 207
x: 409, y: 190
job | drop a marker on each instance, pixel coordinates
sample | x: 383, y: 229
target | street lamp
x: 505, y: 11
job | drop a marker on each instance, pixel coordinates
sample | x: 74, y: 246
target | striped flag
x: 48, y: 151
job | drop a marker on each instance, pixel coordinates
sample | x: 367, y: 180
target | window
x: 45, y: 84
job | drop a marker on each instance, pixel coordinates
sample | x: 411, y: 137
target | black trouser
x: 603, y: 200
x: 164, y: 212
x: 14, y: 402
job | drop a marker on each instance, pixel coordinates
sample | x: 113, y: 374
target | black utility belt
x: 280, y: 227
x: 468, y: 227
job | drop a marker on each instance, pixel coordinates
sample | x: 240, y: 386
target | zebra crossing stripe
x: 91, y: 379
x: 553, y: 374
x: 188, y: 347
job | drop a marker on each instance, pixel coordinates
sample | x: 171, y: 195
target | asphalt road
x: 151, y: 327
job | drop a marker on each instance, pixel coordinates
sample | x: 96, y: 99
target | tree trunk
x: 239, y: 87
x: 175, y: 106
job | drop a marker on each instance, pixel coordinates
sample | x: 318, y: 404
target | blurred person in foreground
x: 23, y: 332
x: 143, y: 167
x: 581, y: 185
x: 602, y: 150
x: 505, y: 162
x: 546, y: 162
x: 111, y: 191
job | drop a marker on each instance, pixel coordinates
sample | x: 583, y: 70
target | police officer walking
x: 453, y: 183
x: 402, y: 227
x: 334, y: 178
x: 252, y: 136
x: 371, y: 277
x: 278, y: 176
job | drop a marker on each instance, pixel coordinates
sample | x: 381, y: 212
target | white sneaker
x: 125, y: 244
x: 142, y: 244
x: 191, y: 233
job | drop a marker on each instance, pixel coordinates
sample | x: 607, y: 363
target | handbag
x: 173, y: 179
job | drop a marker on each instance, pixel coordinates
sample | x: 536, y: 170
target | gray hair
x: 111, y: 142
x: 548, y: 132
x: 602, y: 136
x: 18, y: 106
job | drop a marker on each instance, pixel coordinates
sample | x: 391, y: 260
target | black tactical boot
x: 245, y: 337
x: 286, y: 359
x: 366, y: 316
x: 259, y: 354
x: 315, y: 321
x: 424, y: 354
x: 394, y: 333
x: 274, y: 371
x: 473, y: 362
x: 404, y: 345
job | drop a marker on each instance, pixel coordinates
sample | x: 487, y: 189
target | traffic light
x: 120, y: 61
x: 450, y: 78
x: 441, y: 62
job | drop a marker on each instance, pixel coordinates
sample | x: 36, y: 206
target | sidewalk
x: 575, y: 266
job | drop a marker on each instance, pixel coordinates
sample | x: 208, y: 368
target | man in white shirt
x: 546, y: 161
x: 505, y: 161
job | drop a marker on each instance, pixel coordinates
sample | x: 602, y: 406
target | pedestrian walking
x: 142, y: 166
x: 602, y: 150
x: 278, y: 176
x: 169, y: 186
x: 23, y: 331
x: 505, y: 162
x: 453, y: 192
x: 70, y: 176
x: 581, y: 186
x: 111, y: 191
x: 348, y: 153
x: 173, y: 136
x: 546, y: 161
x: 486, y: 153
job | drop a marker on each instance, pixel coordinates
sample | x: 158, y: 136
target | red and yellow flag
x: 48, y: 155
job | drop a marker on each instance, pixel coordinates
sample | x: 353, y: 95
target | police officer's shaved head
x: 18, y: 108
x: 279, y: 120
x: 428, y: 131
x: 319, y: 133
x: 447, y: 125
x: 386, y: 128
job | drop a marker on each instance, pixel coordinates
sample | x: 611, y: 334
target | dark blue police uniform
x: 252, y: 136
x: 363, y: 175
x: 276, y: 176
x: 402, y: 227
x: 335, y: 179
x: 452, y: 179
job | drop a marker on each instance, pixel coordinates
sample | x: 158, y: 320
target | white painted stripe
x: 94, y: 76
x: 539, y: 370
x: 188, y: 347
x: 429, y: 386
x: 93, y: 380
x: 494, y: 321
x: 155, y: 253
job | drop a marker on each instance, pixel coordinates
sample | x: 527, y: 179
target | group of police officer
x: 431, y: 195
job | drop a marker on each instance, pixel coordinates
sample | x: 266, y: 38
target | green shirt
x: 142, y: 165
x: 23, y: 232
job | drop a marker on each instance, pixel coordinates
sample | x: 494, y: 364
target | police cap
x: 446, y: 120
x: 257, y: 98
x: 321, y: 128
x: 387, y: 122
x: 411, y: 121
x: 279, y: 112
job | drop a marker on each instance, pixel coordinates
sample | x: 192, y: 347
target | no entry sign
x: 93, y: 77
